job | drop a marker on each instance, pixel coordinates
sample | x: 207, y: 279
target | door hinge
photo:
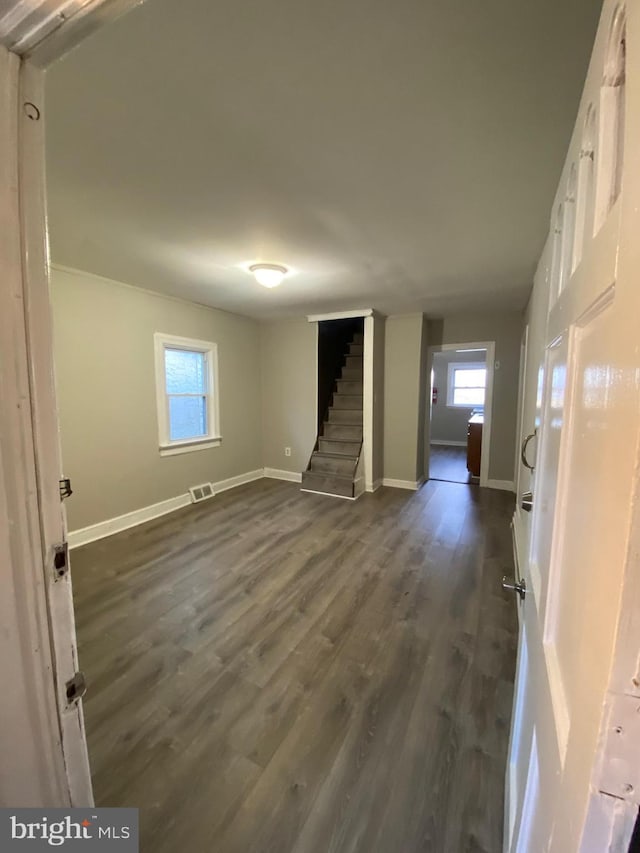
x: 65, y: 488
x: 620, y: 768
x: 75, y: 688
x: 60, y: 560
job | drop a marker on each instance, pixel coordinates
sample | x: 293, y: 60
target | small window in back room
x: 186, y: 386
x: 466, y: 385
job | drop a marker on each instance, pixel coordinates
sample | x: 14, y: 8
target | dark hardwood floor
x: 273, y: 671
x: 448, y: 463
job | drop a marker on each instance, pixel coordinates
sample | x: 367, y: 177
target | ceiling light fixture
x: 268, y: 275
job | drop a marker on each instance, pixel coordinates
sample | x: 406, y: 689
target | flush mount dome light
x: 268, y: 275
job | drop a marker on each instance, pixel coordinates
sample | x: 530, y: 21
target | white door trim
x: 367, y: 384
x: 340, y: 315
x: 32, y: 770
x: 44, y: 753
x: 367, y: 401
x: 44, y: 31
x: 39, y: 329
x: 490, y: 347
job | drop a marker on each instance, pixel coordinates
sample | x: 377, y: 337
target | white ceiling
x: 398, y: 155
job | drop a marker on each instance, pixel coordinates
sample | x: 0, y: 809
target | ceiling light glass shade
x: 268, y: 275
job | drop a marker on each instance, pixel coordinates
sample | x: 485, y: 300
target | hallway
x: 448, y: 463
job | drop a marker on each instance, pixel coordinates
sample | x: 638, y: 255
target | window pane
x: 186, y: 371
x: 475, y: 378
x: 468, y: 397
x: 187, y: 417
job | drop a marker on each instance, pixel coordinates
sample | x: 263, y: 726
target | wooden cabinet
x: 474, y: 444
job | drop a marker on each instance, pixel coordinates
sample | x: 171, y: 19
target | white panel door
x: 584, y: 486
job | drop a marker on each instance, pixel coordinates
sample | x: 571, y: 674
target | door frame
x: 45, y: 758
x: 490, y: 347
x: 368, y: 457
x: 33, y: 768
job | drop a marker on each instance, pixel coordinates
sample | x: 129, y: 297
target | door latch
x: 61, y: 560
x: 75, y: 688
x: 515, y: 586
x: 527, y: 501
x: 65, y: 488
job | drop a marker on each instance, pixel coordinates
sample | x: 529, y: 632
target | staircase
x: 333, y: 463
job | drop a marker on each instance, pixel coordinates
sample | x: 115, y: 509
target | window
x: 466, y: 384
x: 187, y: 394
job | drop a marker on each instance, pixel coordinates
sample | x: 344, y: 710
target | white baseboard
x: 503, y: 485
x: 448, y: 443
x: 239, y: 480
x: 277, y: 474
x: 411, y: 485
x: 123, y: 522
x: 84, y: 535
x: 373, y: 487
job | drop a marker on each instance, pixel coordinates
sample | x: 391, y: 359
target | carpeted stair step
x: 328, y: 484
x: 352, y: 432
x: 345, y: 416
x: 340, y: 446
x: 347, y: 401
x: 323, y: 462
x: 352, y: 374
x: 356, y: 349
x: 353, y: 361
x: 349, y: 386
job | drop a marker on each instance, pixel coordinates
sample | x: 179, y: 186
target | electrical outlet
x: 287, y: 451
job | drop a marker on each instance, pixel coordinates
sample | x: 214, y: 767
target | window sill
x: 463, y: 406
x: 178, y: 447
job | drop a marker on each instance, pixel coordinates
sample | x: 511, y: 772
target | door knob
x: 527, y: 501
x: 515, y: 586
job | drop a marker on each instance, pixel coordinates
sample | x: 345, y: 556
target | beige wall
x: 403, y: 409
x: 106, y: 388
x: 289, y: 393
x: 448, y: 423
x: 104, y: 361
x: 288, y: 357
x: 506, y: 331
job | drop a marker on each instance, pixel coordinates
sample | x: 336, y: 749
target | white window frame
x: 463, y: 365
x: 209, y: 349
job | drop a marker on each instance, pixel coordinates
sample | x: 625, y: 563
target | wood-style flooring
x: 280, y: 672
x: 449, y: 463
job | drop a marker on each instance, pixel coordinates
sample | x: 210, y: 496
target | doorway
x: 460, y: 412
